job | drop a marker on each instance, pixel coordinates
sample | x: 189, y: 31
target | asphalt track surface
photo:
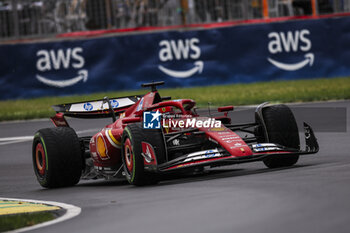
x: 311, y: 197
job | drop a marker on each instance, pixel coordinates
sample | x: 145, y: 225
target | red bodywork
x: 105, y: 147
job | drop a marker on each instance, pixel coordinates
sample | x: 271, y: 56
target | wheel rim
x: 128, y: 154
x: 40, y: 159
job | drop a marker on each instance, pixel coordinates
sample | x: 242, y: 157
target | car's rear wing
x: 96, y: 108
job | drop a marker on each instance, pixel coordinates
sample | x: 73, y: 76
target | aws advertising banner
x: 250, y: 53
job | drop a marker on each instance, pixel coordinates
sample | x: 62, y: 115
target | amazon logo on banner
x: 180, y: 50
x: 291, y: 42
x: 58, y: 60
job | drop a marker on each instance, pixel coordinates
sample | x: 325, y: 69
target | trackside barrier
x: 240, y: 54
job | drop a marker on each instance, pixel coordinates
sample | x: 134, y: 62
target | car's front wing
x: 219, y: 157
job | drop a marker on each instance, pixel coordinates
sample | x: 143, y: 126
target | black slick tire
x: 57, y: 157
x: 133, y: 161
x: 281, y: 129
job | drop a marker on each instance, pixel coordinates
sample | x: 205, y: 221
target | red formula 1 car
x: 153, y: 135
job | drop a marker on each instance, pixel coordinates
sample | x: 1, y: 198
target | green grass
x: 236, y: 94
x: 15, y: 221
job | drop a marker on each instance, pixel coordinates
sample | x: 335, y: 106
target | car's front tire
x: 281, y: 129
x: 133, y: 161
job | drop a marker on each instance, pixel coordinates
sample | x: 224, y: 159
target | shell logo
x: 102, y: 148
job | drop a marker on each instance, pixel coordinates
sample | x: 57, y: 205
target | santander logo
x: 70, y: 58
x: 177, y: 50
x: 296, y: 41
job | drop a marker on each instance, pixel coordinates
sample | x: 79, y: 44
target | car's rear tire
x: 57, y: 157
x: 281, y: 129
x: 133, y: 161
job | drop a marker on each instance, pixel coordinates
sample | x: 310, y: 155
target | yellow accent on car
x: 217, y: 129
x: 113, y: 138
x: 19, y: 207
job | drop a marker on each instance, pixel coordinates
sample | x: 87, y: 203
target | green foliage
x: 235, y: 94
x: 15, y: 221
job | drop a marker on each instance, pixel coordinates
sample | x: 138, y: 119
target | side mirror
x: 139, y: 113
x: 225, y: 109
x: 131, y: 120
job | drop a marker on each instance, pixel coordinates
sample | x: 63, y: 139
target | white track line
x: 24, y: 138
x: 72, y: 211
x: 11, y: 140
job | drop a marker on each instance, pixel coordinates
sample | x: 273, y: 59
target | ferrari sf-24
x: 143, y: 150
